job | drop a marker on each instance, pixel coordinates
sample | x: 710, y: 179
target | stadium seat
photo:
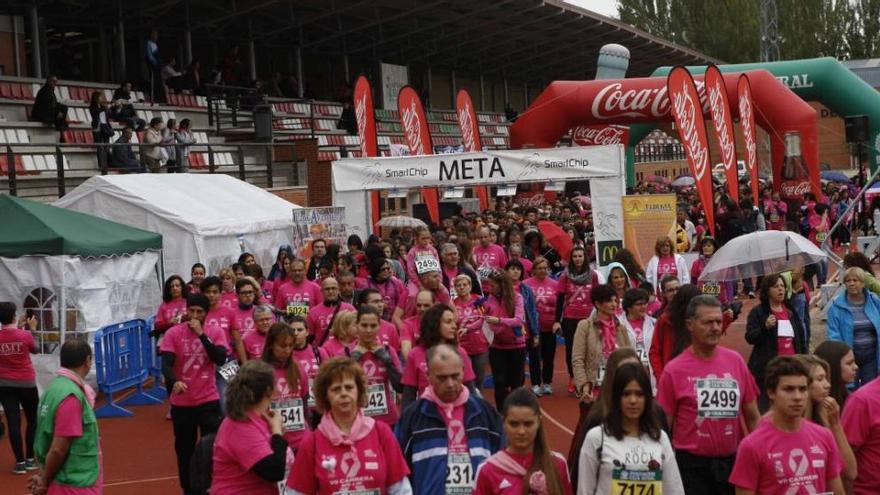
x: 4, y: 163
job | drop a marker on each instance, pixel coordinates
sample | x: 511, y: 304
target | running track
x: 139, y: 455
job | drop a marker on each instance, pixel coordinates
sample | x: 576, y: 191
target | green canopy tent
x: 59, y: 264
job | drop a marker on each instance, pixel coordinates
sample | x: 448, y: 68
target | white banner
x: 394, y: 77
x: 480, y: 168
x: 323, y: 222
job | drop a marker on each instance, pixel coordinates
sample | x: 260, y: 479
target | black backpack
x: 201, y: 465
x: 750, y: 223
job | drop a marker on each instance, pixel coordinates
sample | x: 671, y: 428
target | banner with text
x: 645, y: 218
x: 366, y: 122
x: 722, y: 120
x: 325, y: 222
x: 484, y: 168
x: 750, y: 135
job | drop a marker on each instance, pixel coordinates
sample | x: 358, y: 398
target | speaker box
x: 856, y: 128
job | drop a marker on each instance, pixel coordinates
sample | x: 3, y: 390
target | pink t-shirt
x: 224, y: 318
x: 16, y: 346
x: 545, y: 299
x: 492, y: 480
x: 415, y: 253
x: 68, y: 423
x: 381, y: 404
x: 244, y: 319
x: 706, y: 398
x: 388, y: 335
x: 490, y: 256
x: 268, y: 290
x: 470, y: 326
x: 441, y: 296
x: 310, y: 358
x: 192, y: 365
x: 229, y: 299
x: 238, y: 446
x: 861, y: 422
x: 510, y: 333
x: 415, y: 374
x: 169, y: 310
x: 253, y: 344
x: 334, y: 348
x: 370, y: 466
x: 784, y: 345
x: 527, y: 267
x: 776, y: 462
x: 666, y: 266
x: 318, y: 321
x: 298, y: 298
x: 410, y: 331
x: 578, y: 303
x: 297, y: 412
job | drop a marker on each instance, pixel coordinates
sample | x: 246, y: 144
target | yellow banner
x: 645, y: 218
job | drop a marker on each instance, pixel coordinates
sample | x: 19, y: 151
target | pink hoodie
x: 505, y: 335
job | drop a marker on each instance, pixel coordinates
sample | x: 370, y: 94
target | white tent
x: 203, y: 218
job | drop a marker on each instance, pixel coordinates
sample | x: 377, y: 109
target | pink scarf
x: 446, y: 407
x: 503, y: 461
x: 608, y: 331
x: 86, y: 388
x: 361, y: 427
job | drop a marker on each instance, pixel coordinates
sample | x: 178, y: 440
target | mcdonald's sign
x: 607, y: 250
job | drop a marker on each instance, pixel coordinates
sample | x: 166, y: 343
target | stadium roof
x: 532, y: 40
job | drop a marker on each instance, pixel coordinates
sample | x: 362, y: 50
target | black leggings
x: 541, y: 359
x: 569, y: 325
x: 190, y: 423
x: 508, y: 369
x: 13, y: 399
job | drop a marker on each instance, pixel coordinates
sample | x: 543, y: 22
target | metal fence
x: 659, y: 153
x: 232, y: 107
x: 56, y: 168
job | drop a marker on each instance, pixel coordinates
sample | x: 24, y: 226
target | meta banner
x: 722, y: 120
x: 480, y: 168
x: 750, y: 136
x: 470, y: 135
x: 688, y: 116
x: 366, y: 123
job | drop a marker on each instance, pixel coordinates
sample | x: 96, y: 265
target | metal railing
x: 231, y: 107
x: 254, y: 163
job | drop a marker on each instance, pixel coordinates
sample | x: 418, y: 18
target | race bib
x: 426, y: 262
x: 821, y: 236
x: 292, y: 414
x: 311, y: 392
x: 774, y: 217
x: 712, y: 288
x: 643, y: 354
x: 376, y: 403
x: 228, y: 370
x: 459, y: 474
x: 784, y: 328
x: 298, y: 308
x: 717, y: 398
x: 358, y: 492
x: 626, y: 482
x: 600, y: 375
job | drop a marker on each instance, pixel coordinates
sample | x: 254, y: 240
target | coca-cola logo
x: 613, y: 101
x: 794, y: 189
x: 600, y: 135
x: 412, y: 127
x: 467, y: 129
x: 718, y: 107
x: 745, y: 116
x: 686, y: 116
x: 360, y: 111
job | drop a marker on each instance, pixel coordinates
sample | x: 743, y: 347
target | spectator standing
x: 154, y: 67
x: 155, y: 155
x: 184, y: 136
x: 169, y: 138
x: 18, y: 386
x: 46, y: 107
x: 102, y: 132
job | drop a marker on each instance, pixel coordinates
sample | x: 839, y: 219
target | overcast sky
x: 607, y: 8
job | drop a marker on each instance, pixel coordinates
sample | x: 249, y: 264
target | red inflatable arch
x: 564, y: 105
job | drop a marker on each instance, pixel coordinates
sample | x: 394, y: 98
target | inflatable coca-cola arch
x: 565, y: 105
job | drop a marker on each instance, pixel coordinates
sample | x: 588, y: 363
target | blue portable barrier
x: 154, y: 362
x: 120, y: 363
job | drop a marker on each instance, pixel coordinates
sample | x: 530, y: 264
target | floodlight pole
x: 36, y: 49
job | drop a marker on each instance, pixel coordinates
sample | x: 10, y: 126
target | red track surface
x: 139, y: 454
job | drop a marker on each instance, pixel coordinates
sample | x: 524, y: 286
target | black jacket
x: 764, y: 340
x: 45, y: 105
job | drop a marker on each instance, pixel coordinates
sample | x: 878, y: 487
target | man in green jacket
x: 66, y: 443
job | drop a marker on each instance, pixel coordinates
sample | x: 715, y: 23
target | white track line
x: 545, y: 414
x: 146, y: 480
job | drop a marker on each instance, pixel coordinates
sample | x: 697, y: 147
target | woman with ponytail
x: 250, y: 452
x: 291, y: 384
x: 527, y: 464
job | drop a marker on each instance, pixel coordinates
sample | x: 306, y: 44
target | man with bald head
x: 321, y: 316
x: 448, y: 432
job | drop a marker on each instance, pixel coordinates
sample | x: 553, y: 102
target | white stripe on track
x: 545, y: 414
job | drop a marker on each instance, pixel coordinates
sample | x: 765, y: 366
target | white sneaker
x: 536, y: 389
x: 547, y: 389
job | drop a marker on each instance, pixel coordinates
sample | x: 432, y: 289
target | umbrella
x: 657, y: 179
x: 684, y: 181
x: 761, y: 253
x: 835, y: 176
x: 401, y: 222
x: 557, y: 238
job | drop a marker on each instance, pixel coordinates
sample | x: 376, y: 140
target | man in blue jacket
x: 447, y: 433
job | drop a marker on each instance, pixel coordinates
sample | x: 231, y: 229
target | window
x: 43, y: 304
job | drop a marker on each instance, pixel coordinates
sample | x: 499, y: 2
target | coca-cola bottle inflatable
x: 795, y: 181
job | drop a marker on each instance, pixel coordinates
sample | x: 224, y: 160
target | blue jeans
x: 822, y: 272
x: 866, y: 358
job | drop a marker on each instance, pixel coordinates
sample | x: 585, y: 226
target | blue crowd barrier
x: 154, y: 363
x: 121, y: 363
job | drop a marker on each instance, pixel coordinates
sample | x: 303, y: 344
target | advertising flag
x: 470, y: 136
x: 688, y: 115
x: 366, y: 122
x: 418, y: 136
x: 750, y: 136
x: 722, y: 119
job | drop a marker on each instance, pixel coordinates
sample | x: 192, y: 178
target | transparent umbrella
x: 401, y: 222
x: 761, y: 253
